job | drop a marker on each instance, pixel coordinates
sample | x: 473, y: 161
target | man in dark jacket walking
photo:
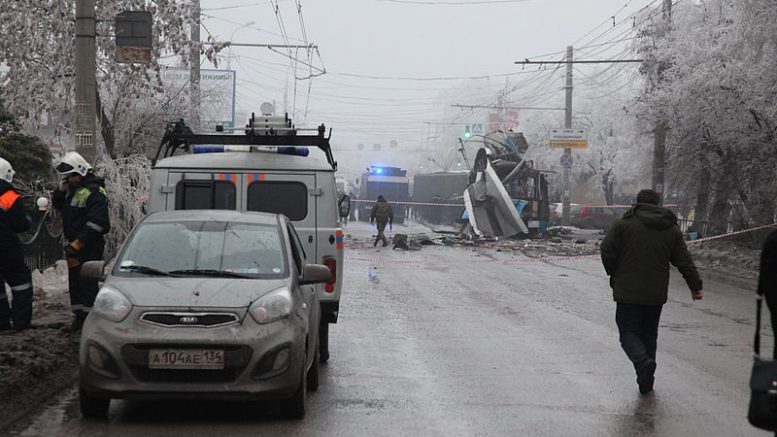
x: 13, y: 220
x: 382, y: 214
x: 82, y: 200
x: 636, y: 254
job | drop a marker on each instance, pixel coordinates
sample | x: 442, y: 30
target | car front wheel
x: 313, y: 376
x: 294, y: 407
x: 93, y: 407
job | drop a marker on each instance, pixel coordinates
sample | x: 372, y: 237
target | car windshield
x: 204, y: 248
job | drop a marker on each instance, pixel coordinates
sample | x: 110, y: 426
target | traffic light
x: 467, y: 132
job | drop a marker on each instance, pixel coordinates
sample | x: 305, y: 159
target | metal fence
x: 43, y: 248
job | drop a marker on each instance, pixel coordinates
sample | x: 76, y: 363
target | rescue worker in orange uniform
x: 13, y: 270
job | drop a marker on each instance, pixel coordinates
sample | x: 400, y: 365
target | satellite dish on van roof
x: 267, y: 108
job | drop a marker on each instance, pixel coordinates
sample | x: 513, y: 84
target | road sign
x: 566, y: 160
x: 133, y: 37
x: 568, y: 138
x: 477, y: 128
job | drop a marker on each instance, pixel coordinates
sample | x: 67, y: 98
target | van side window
x: 279, y: 197
x: 205, y: 195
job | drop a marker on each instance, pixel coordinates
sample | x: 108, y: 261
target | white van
x: 267, y: 169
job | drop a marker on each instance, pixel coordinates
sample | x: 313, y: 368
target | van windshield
x: 205, y: 248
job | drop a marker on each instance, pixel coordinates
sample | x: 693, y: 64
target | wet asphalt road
x: 448, y: 342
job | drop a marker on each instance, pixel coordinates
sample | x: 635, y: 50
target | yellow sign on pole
x: 568, y: 138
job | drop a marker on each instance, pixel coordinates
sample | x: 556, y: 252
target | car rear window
x: 279, y: 197
x: 205, y: 195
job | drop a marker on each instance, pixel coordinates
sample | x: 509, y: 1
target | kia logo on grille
x: 188, y: 320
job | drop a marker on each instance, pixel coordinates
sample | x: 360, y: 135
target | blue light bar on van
x: 219, y: 148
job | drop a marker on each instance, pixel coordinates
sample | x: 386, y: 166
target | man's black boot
x: 646, y: 378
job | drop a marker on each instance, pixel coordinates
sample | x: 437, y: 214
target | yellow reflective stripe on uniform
x: 80, y: 197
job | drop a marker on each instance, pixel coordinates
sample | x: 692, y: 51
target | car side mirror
x: 93, y: 270
x: 315, y: 274
x: 344, y: 205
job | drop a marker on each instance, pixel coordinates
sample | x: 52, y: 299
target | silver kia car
x: 204, y: 304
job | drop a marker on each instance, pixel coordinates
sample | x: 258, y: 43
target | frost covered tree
x: 719, y: 97
x: 38, y: 47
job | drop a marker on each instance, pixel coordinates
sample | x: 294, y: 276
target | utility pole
x: 659, y: 134
x: 86, y: 83
x: 567, y: 151
x: 194, y: 78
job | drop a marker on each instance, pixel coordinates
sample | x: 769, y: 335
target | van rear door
x: 292, y: 194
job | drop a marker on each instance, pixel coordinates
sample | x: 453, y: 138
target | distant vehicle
x: 592, y: 217
x: 389, y: 182
x: 556, y: 210
x: 204, y: 304
x: 441, y: 187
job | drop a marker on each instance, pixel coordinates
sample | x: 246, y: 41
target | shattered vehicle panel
x: 489, y: 207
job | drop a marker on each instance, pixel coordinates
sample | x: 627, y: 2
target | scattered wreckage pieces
x: 415, y: 242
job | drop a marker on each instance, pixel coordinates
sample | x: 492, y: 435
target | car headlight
x: 273, y: 306
x: 111, y: 304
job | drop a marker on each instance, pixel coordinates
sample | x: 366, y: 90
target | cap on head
x: 73, y: 163
x: 648, y: 196
x: 381, y: 199
x: 6, y: 171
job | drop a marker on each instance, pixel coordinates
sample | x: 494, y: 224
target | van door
x: 292, y: 194
x: 197, y: 190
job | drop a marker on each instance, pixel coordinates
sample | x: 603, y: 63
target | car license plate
x: 185, y: 359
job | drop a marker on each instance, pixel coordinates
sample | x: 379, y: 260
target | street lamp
x: 229, y: 56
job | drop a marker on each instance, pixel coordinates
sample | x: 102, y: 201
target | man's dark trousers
x: 381, y: 233
x: 14, y: 271
x: 638, y: 327
x: 84, y: 290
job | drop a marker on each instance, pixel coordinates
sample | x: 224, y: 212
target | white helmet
x: 73, y: 163
x: 6, y: 171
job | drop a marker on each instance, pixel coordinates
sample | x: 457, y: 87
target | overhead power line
x: 598, y: 61
x: 451, y: 3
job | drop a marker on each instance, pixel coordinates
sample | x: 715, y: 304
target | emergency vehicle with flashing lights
x: 272, y: 167
x: 389, y: 182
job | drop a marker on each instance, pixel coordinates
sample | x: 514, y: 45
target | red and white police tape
x: 461, y: 205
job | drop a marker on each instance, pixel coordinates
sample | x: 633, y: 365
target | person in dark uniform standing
x: 13, y: 270
x: 82, y: 200
x: 382, y: 214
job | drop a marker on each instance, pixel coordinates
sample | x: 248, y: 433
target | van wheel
x: 294, y: 407
x: 93, y: 407
x: 323, y: 341
x: 313, y: 376
x: 588, y: 224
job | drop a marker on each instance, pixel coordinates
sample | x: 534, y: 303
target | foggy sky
x: 389, y: 39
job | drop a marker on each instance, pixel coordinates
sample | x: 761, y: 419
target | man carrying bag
x: 763, y: 381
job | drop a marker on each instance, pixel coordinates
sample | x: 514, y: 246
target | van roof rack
x: 179, y: 136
